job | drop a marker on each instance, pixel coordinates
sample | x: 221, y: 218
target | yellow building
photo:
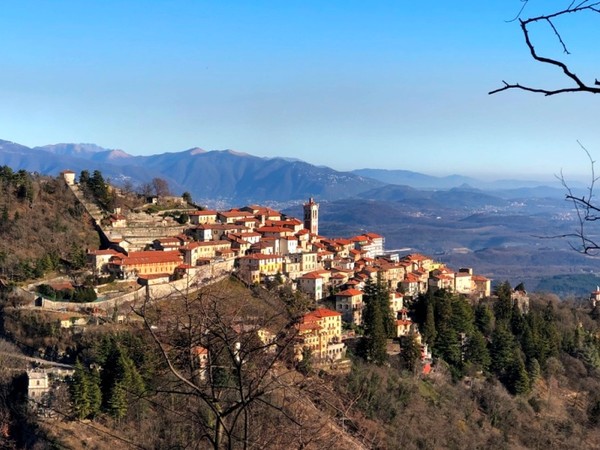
x: 320, y: 331
x: 253, y: 267
x: 199, y: 250
x: 144, y: 263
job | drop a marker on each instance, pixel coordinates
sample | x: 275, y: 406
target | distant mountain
x: 421, y: 181
x: 415, y: 179
x: 225, y: 176
x: 455, y: 198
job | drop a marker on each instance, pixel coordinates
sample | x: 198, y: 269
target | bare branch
x: 580, y: 85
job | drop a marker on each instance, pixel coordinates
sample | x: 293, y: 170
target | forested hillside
x: 42, y: 226
x: 503, y: 377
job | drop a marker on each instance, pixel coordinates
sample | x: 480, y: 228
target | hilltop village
x: 259, y: 245
x: 252, y: 310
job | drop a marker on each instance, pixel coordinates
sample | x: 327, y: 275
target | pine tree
x: 502, y: 350
x: 518, y: 381
x: 80, y: 394
x: 117, y: 401
x: 484, y: 319
x: 476, y: 351
x: 503, y: 307
x: 95, y: 394
x: 376, y: 318
x: 534, y: 370
x: 462, y: 319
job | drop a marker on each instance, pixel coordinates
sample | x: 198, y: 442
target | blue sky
x: 347, y: 84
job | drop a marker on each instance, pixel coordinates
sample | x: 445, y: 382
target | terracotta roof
x: 62, y: 286
x: 146, y: 257
x: 349, y: 293
x: 416, y: 257
x: 479, y: 278
x: 199, y: 350
x: 411, y: 278
x: 320, y: 313
x: 311, y: 276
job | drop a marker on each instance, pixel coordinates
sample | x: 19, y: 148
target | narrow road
x: 39, y: 361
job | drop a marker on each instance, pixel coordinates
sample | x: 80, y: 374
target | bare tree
x: 230, y: 360
x: 586, y: 210
x: 575, y: 7
x: 586, y: 207
x: 161, y: 187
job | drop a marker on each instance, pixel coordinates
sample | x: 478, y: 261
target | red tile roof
x: 146, y: 257
x: 319, y: 314
x: 349, y: 293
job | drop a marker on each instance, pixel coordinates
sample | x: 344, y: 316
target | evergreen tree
x: 518, y: 381
x: 374, y: 323
x: 120, y: 379
x: 517, y: 322
x: 429, y: 330
x: 476, y: 351
x: 410, y: 353
x: 95, y: 394
x: 462, y: 319
x: 84, y: 178
x: 484, y: 319
x: 503, y: 307
x: 80, y: 392
x: 502, y: 352
x: 77, y: 256
x: 117, y: 401
x: 534, y: 370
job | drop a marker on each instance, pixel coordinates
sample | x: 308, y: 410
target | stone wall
x: 205, y: 275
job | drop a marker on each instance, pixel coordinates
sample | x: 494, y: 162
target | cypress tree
x: 429, y: 331
x: 410, y: 353
x: 374, y: 323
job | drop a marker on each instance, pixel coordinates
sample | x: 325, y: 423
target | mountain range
x: 227, y: 177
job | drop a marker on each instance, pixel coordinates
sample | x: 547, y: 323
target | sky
x: 342, y: 83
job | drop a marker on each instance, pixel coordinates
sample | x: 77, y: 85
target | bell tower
x: 311, y: 216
